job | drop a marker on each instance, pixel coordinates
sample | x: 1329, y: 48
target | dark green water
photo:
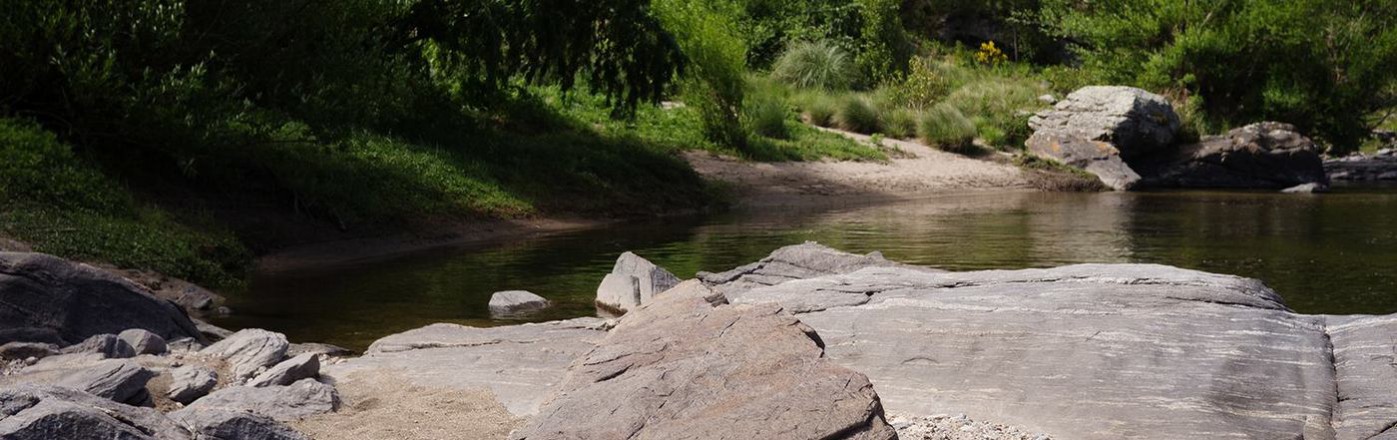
x: 1331, y: 253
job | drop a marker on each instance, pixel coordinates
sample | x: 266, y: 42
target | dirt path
x: 914, y: 171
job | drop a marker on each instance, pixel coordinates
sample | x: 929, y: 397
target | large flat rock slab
x: 1102, y: 351
x: 681, y: 367
x: 518, y: 363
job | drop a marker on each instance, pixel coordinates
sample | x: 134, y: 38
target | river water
x: 1330, y: 253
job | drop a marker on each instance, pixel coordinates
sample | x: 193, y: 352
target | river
x: 1330, y: 253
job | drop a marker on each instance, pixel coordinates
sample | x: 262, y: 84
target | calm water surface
x: 1331, y: 253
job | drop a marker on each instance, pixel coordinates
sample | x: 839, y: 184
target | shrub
x: 929, y: 81
x: 819, y: 109
x: 766, y: 115
x: 816, y: 65
x: 946, y: 128
x: 857, y: 114
x: 1000, y: 104
x: 900, y: 123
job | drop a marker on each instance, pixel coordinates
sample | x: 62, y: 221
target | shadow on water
x: 1331, y: 253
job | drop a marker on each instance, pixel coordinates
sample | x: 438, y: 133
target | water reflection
x: 1332, y: 253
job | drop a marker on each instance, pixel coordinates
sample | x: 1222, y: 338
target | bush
x: 1002, y: 107
x: 900, y: 123
x: 857, y: 114
x: 816, y: 65
x: 946, y: 128
x: 717, y: 61
x: 929, y: 81
x: 819, y: 108
x: 766, y: 115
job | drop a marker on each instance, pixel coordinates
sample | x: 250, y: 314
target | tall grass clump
x: 900, y: 123
x: 766, y: 115
x: 946, y: 128
x: 1001, y: 106
x: 857, y: 113
x: 816, y: 65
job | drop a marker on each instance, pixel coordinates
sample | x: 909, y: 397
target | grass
x: 816, y: 65
x: 944, y: 127
x: 857, y: 113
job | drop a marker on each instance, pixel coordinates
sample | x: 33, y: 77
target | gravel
x: 957, y: 427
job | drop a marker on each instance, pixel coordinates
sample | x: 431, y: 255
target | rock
x: 24, y: 350
x: 1103, y: 351
x: 143, y: 342
x: 43, y: 412
x: 318, y: 349
x: 1308, y: 188
x: 106, y: 346
x: 1262, y: 155
x: 806, y: 260
x: 190, y: 382
x: 248, y: 350
x: 216, y: 424
x: 282, y: 403
x: 304, y: 366
x: 1047, y: 99
x: 31, y: 334
x: 680, y: 367
x: 212, y: 332
x: 1096, y: 157
x: 514, y: 302
x: 184, y: 345
x: 1133, y: 121
x: 77, y: 301
x: 122, y: 381
x: 519, y: 363
x: 1361, y: 168
x: 632, y: 282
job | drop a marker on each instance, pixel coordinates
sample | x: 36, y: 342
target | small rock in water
x: 1308, y: 188
x: 516, y: 302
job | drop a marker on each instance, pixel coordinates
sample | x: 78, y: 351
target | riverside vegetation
x: 186, y: 136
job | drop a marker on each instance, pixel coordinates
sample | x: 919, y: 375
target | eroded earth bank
x: 809, y: 342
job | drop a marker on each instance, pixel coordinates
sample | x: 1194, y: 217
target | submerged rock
x: 632, y: 282
x: 516, y: 302
x: 76, y: 301
x: 679, y: 367
x: 249, y: 350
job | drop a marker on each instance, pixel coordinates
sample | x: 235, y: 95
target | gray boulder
x: 282, y: 403
x: 77, y: 301
x: 632, y: 282
x: 1263, y: 155
x: 679, y: 367
x: 249, y: 350
x: 190, y: 382
x: 1095, y: 157
x: 794, y: 262
x: 122, y: 381
x: 143, y: 342
x: 1135, y: 122
x: 41, y: 412
x: 516, y: 302
x: 106, y: 346
x: 519, y: 364
x: 1103, y: 351
x: 304, y: 366
x: 25, y: 350
x: 1364, y: 167
x: 217, y: 424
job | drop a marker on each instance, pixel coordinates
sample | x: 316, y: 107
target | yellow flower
x: 990, y: 54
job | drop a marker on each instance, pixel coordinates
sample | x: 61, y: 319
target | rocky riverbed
x: 809, y: 342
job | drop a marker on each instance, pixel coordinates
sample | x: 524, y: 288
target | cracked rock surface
x: 1104, y: 351
x: 679, y: 367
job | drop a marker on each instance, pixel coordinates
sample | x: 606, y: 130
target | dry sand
x: 380, y: 406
